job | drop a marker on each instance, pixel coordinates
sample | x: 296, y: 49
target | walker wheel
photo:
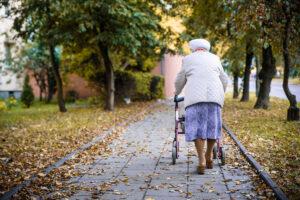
x: 174, y: 153
x: 215, y: 152
x: 223, y: 156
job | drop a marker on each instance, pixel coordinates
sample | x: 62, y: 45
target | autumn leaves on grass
x: 274, y: 142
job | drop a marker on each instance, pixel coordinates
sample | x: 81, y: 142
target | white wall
x: 9, y: 81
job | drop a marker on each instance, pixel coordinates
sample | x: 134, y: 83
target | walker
x: 218, y: 151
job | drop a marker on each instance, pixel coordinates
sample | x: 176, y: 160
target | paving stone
x: 163, y: 191
x: 116, y: 195
x: 209, y: 196
x: 140, y: 165
x: 81, y: 195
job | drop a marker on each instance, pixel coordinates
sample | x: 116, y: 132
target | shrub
x: 124, y: 84
x: 157, y: 87
x: 10, y: 102
x: 138, y: 85
x: 96, y: 100
x: 71, y: 96
x: 142, y: 86
x: 2, y: 106
x: 27, y: 96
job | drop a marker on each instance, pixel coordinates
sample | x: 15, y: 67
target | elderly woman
x: 205, y: 81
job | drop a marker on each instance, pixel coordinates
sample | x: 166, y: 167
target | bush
x: 71, y: 96
x: 10, y: 102
x: 2, y: 106
x: 138, y: 85
x: 96, y: 100
x: 124, y: 84
x: 142, y: 86
x: 27, y: 96
x: 157, y: 87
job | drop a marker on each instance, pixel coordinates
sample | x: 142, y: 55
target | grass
x: 31, y: 139
x: 274, y: 142
x: 295, y: 81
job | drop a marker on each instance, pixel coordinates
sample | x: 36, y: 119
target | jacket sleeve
x: 180, y: 80
x: 223, y: 76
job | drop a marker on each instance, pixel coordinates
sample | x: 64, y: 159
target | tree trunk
x: 55, y: 66
x: 266, y: 75
x: 50, y: 85
x: 38, y: 79
x: 110, y: 81
x: 247, y: 72
x: 41, y: 95
x: 293, y: 110
x: 235, y: 86
x: 257, y: 81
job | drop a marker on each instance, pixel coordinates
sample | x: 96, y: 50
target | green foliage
x: 142, y: 86
x: 96, y: 100
x: 2, y: 105
x: 138, y: 85
x: 35, y: 56
x: 131, y: 27
x: 157, y: 87
x: 234, y: 58
x: 27, y: 97
x: 11, y: 102
x: 71, y: 96
x: 125, y: 84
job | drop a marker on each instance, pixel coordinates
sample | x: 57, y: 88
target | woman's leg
x: 199, y: 143
x: 209, y: 150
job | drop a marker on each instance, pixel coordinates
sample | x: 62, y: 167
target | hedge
x: 138, y: 85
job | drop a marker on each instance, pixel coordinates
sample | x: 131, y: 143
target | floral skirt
x: 203, y: 121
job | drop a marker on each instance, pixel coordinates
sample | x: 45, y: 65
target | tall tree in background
x: 266, y: 75
x: 52, y: 14
x: 247, y: 71
x: 291, y: 23
x: 39, y: 20
x: 268, y: 69
x: 246, y: 31
x: 36, y: 59
x: 113, y: 26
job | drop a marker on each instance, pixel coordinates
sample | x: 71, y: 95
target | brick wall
x: 73, y: 82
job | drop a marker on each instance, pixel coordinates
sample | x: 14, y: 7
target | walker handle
x: 178, y: 99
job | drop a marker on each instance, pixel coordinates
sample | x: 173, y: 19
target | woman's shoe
x: 200, y: 169
x: 209, y: 164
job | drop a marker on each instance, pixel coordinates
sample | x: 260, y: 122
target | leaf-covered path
x: 139, y: 167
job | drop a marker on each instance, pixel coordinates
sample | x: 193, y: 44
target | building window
x: 11, y: 94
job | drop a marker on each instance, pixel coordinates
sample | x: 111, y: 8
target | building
x: 10, y: 81
x: 168, y: 67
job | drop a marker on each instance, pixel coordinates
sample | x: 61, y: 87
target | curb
x: 259, y: 169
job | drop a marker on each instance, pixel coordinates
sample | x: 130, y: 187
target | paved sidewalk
x: 140, y: 168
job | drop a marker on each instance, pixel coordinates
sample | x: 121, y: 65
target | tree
x: 268, y: 69
x: 290, y: 11
x: 278, y: 17
x: 225, y: 23
x: 27, y: 96
x: 233, y: 56
x: 39, y: 20
x: 247, y: 72
x: 111, y: 27
x: 266, y: 75
x: 36, y: 59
